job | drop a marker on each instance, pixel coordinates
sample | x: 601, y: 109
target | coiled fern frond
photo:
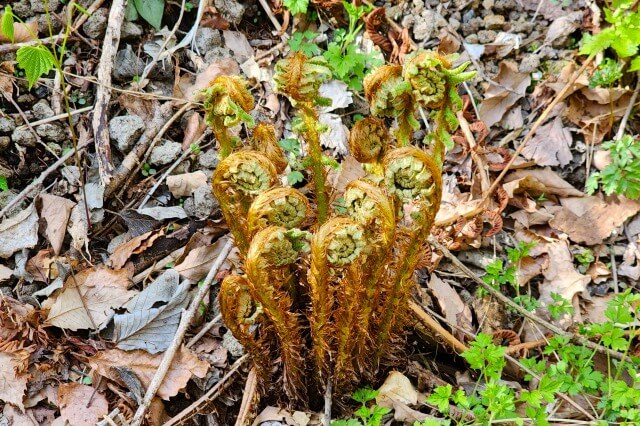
x: 369, y: 139
x: 299, y: 78
x: 286, y: 207
x: 265, y: 142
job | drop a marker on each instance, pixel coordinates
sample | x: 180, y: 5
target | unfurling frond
x: 368, y: 140
x: 299, y: 78
x: 410, y: 174
x: 265, y: 142
x: 286, y: 207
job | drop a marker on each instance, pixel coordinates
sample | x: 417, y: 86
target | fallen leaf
x: 350, y: 169
x: 237, y: 42
x: 12, y: 384
x: 536, y: 182
x: 78, y: 227
x: 512, y: 85
x: 197, y: 263
x: 596, y: 308
x: 40, y: 266
x: 137, y: 223
x: 562, y: 27
x: 81, y: 405
x: 397, y: 387
x: 551, y: 145
x: 55, y: 212
x: 22, y: 32
x: 561, y: 275
x: 191, y: 91
x: 153, y: 315
x: 184, y: 184
x: 138, y: 244
x: 339, y: 94
x: 19, y: 232
x: 337, y: 135
x: 87, y: 297
x: 14, y: 417
x: 144, y: 365
x: 5, y: 273
x: 192, y: 132
x: 454, y: 309
x: 591, y: 220
x: 160, y: 213
x: 280, y: 416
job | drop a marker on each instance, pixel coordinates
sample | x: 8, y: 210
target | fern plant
x: 327, y: 287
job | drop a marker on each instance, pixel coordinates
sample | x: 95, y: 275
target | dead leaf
x: 397, y: 387
x: 512, y: 85
x: 530, y: 267
x: 153, y: 315
x: 454, y: 309
x: 19, y: 232
x: 41, y: 267
x: 12, y: 384
x: 55, y: 212
x: 281, y: 416
x: 184, y: 184
x: 561, y: 275
x: 87, y: 298
x: 597, y: 306
x: 337, y: 135
x: 194, y: 129
x: 562, y: 27
x: 237, y: 42
x: 197, y: 263
x: 80, y: 405
x: 136, y: 245
x: 22, y: 32
x: 191, y: 91
x: 591, y: 220
x: 536, y: 182
x: 551, y: 145
x: 350, y: 169
x: 144, y: 365
x: 78, y: 227
x: 5, y: 273
x: 339, y: 94
x: 161, y: 213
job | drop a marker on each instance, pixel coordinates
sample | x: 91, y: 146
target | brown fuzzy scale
x: 285, y: 207
x: 368, y: 140
x: 264, y: 141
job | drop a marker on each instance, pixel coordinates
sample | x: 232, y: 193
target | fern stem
x: 310, y: 118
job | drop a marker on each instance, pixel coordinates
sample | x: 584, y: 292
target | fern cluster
x: 327, y: 288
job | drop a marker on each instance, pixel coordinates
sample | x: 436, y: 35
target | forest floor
x: 105, y: 190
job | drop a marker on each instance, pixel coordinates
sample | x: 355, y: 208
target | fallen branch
x: 185, y: 321
x: 249, y: 397
x: 435, y: 327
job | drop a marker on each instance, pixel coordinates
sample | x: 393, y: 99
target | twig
x: 57, y: 117
x: 248, y: 397
x: 627, y: 112
x: 160, y: 264
x: 522, y: 311
x: 185, y: 320
x: 208, y: 326
x: 269, y: 13
x: 326, y: 418
x: 435, y: 326
x: 209, y: 396
x: 103, y: 95
x: 614, y: 270
x: 40, y: 179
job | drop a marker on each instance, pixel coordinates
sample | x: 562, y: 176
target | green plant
x: 296, y: 6
x: 585, y: 258
x: 559, y: 307
x: 608, y: 73
x: 147, y: 170
x: 150, y: 10
x: 367, y: 415
x: 622, y: 176
x: 498, y: 273
x: 323, y: 310
x: 4, y: 184
x: 195, y: 149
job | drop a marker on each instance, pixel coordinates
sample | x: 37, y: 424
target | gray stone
x: 37, y: 6
x: 468, y: 15
x: 54, y: 147
x: 42, y: 110
x: 206, y: 39
x: 5, y: 141
x: 52, y: 132
x: 130, y: 31
x: 494, y: 22
x: 529, y: 63
x: 24, y: 137
x: 233, y: 346
x: 471, y: 39
x: 127, y: 65
x: 5, y: 198
x: 472, y: 27
x: 427, y: 24
x: 96, y: 25
x: 486, y: 36
x: 417, y: 6
x: 522, y: 26
x: 230, y: 10
x: 125, y: 130
x: 488, y: 4
x: 216, y: 54
x: 505, y: 5
x: 204, y: 203
x: 209, y: 159
x: 7, y: 125
x: 23, y: 9
x: 165, y: 153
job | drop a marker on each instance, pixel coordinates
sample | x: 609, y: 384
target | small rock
x: 486, y: 36
x: 26, y: 100
x: 5, y: 141
x: 233, y: 346
x: 471, y: 39
x: 37, y: 6
x: 7, y: 125
x: 207, y: 38
x: 5, y: 198
x: 23, y: 9
x: 24, y: 137
x: 494, y: 22
x: 165, y: 153
x: 42, y: 110
x: 127, y: 65
x: 454, y: 24
x: 472, y: 27
x: 52, y: 132
x: 522, y: 26
x: 43, y: 24
x: 230, y: 10
x: 506, y: 6
x: 216, y: 54
x: 130, y: 30
x: 427, y: 24
x: 96, y: 25
x: 54, y: 147
x: 209, y: 159
x: 125, y: 130
x: 468, y: 15
x: 417, y: 6
x: 529, y: 63
x: 488, y: 4
x: 204, y: 203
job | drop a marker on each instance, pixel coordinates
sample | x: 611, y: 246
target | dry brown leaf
x: 144, y: 365
x: 512, y: 85
x: 550, y: 145
x: 197, y: 263
x: 281, y: 416
x: 191, y: 91
x: 184, y: 184
x: 561, y: 276
x: 591, y: 220
x: 562, y: 27
x: 12, y: 384
x: 55, y: 212
x: 40, y: 266
x: 596, y: 306
x: 80, y: 405
x: 396, y: 387
x: 194, y: 129
x: 19, y: 232
x: 85, y: 300
x: 537, y: 182
x: 136, y: 245
x: 22, y: 32
x: 530, y: 267
x: 350, y: 169
x: 454, y: 309
x: 15, y: 417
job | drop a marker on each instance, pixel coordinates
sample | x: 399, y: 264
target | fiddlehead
x: 299, y: 78
x: 265, y: 142
x: 389, y: 95
x: 368, y: 141
x: 270, y: 255
x: 227, y: 102
x: 336, y: 244
x: 239, y: 311
x: 435, y: 86
x: 286, y: 207
x: 238, y: 179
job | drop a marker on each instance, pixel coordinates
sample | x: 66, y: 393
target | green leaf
x: 151, y: 11
x: 296, y: 6
x: 4, y: 185
x: 6, y: 25
x: 131, y: 13
x: 363, y: 395
x: 35, y: 61
x: 295, y: 177
x: 596, y: 43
